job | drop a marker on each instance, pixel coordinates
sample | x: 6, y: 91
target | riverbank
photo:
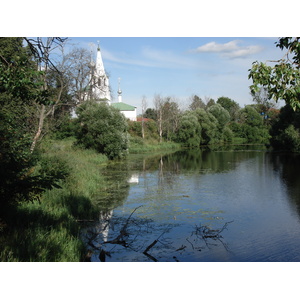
x: 139, y: 145
x: 49, y: 229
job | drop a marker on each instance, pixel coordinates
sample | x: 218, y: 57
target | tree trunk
x: 40, y: 127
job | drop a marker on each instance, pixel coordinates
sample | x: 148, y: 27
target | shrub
x: 103, y: 128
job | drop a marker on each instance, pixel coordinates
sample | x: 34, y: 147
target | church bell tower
x: 100, y: 81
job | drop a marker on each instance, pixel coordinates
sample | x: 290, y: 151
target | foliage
x: 150, y: 113
x: 20, y: 80
x: 227, y: 135
x: 150, y: 130
x: 103, y: 128
x: 221, y: 114
x: 249, y: 115
x: 20, y: 91
x: 210, y: 102
x: 16, y: 160
x: 209, y: 125
x: 282, y: 81
x: 189, y: 132
x: 285, y: 130
x: 196, y: 102
x: 65, y: 128
x: 170, y: 112
x: 230, y: 105
x: 251, y: 125
x: 47, y: 230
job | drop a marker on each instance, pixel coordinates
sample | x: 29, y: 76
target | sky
x: 179, y: 67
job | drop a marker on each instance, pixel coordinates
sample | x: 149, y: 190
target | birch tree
x: 42, y: 48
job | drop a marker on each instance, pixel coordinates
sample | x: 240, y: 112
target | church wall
x: 131, y: 115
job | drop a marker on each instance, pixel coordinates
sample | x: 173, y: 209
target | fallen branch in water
x: 153, y: 244
x: 120, y: 238
x: 207, y: 233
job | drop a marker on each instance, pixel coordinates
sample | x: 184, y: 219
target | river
x: 236, y: 204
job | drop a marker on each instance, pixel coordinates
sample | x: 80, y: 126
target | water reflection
x: 287, y: 165
x: 178, y: 192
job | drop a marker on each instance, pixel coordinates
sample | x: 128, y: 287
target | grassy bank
x: 139, y: 145
x: 48, y: 230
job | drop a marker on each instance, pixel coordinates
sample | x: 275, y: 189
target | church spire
x: 119, y: 91
x: 100, y: 80
x: 99, y: 63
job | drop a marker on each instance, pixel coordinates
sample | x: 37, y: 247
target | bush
x: 103, y: 128
x: 65, y: 129
x: 16, y: 161
x: 189, y: 132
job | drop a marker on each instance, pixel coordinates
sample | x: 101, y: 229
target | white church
x: 100, y: 88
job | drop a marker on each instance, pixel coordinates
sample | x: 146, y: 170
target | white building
x: 99, y: 88
x: 127, y: 110
x: 99, y: 82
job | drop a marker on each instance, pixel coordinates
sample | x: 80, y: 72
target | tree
x: 103, y: 128
x: 20, y: 86
x: 209, y: 102
x: 209, y: 126
x: 171, y: 113
x: 285, y: 130
x: 150, y: 113
x: 196, y: 102
x: 79, y: 68
x: 144, y: 107
x: 252, y: 127
x: 189, y: 131
x: 41, y: 48
x: 282, y: 81
x: 230, y: 105
x: 158, y: 104
x: 221, y: 114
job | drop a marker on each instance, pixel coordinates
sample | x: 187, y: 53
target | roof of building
x: 123, y: 106
x: 140, y: 119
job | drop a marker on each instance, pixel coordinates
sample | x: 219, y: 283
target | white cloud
x: 231, y: 49
x: 149, y: 57
x: 167, y: 59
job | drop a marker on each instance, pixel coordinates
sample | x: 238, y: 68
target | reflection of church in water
x: 106, y: 216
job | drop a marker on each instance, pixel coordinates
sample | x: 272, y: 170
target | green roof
x: 123, y: 106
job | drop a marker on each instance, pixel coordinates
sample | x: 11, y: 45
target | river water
x: 235, y: 204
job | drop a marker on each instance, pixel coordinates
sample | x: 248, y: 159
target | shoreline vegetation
x: 48, y: 230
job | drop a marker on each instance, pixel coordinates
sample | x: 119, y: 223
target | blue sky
x: 180, y: 67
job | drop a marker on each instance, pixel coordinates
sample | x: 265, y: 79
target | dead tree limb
x: 153, y: 244
x: 206, y: 233
x: 120, y: 238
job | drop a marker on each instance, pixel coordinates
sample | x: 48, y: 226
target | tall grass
x: 139, y: 145
x: 48, y: 230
